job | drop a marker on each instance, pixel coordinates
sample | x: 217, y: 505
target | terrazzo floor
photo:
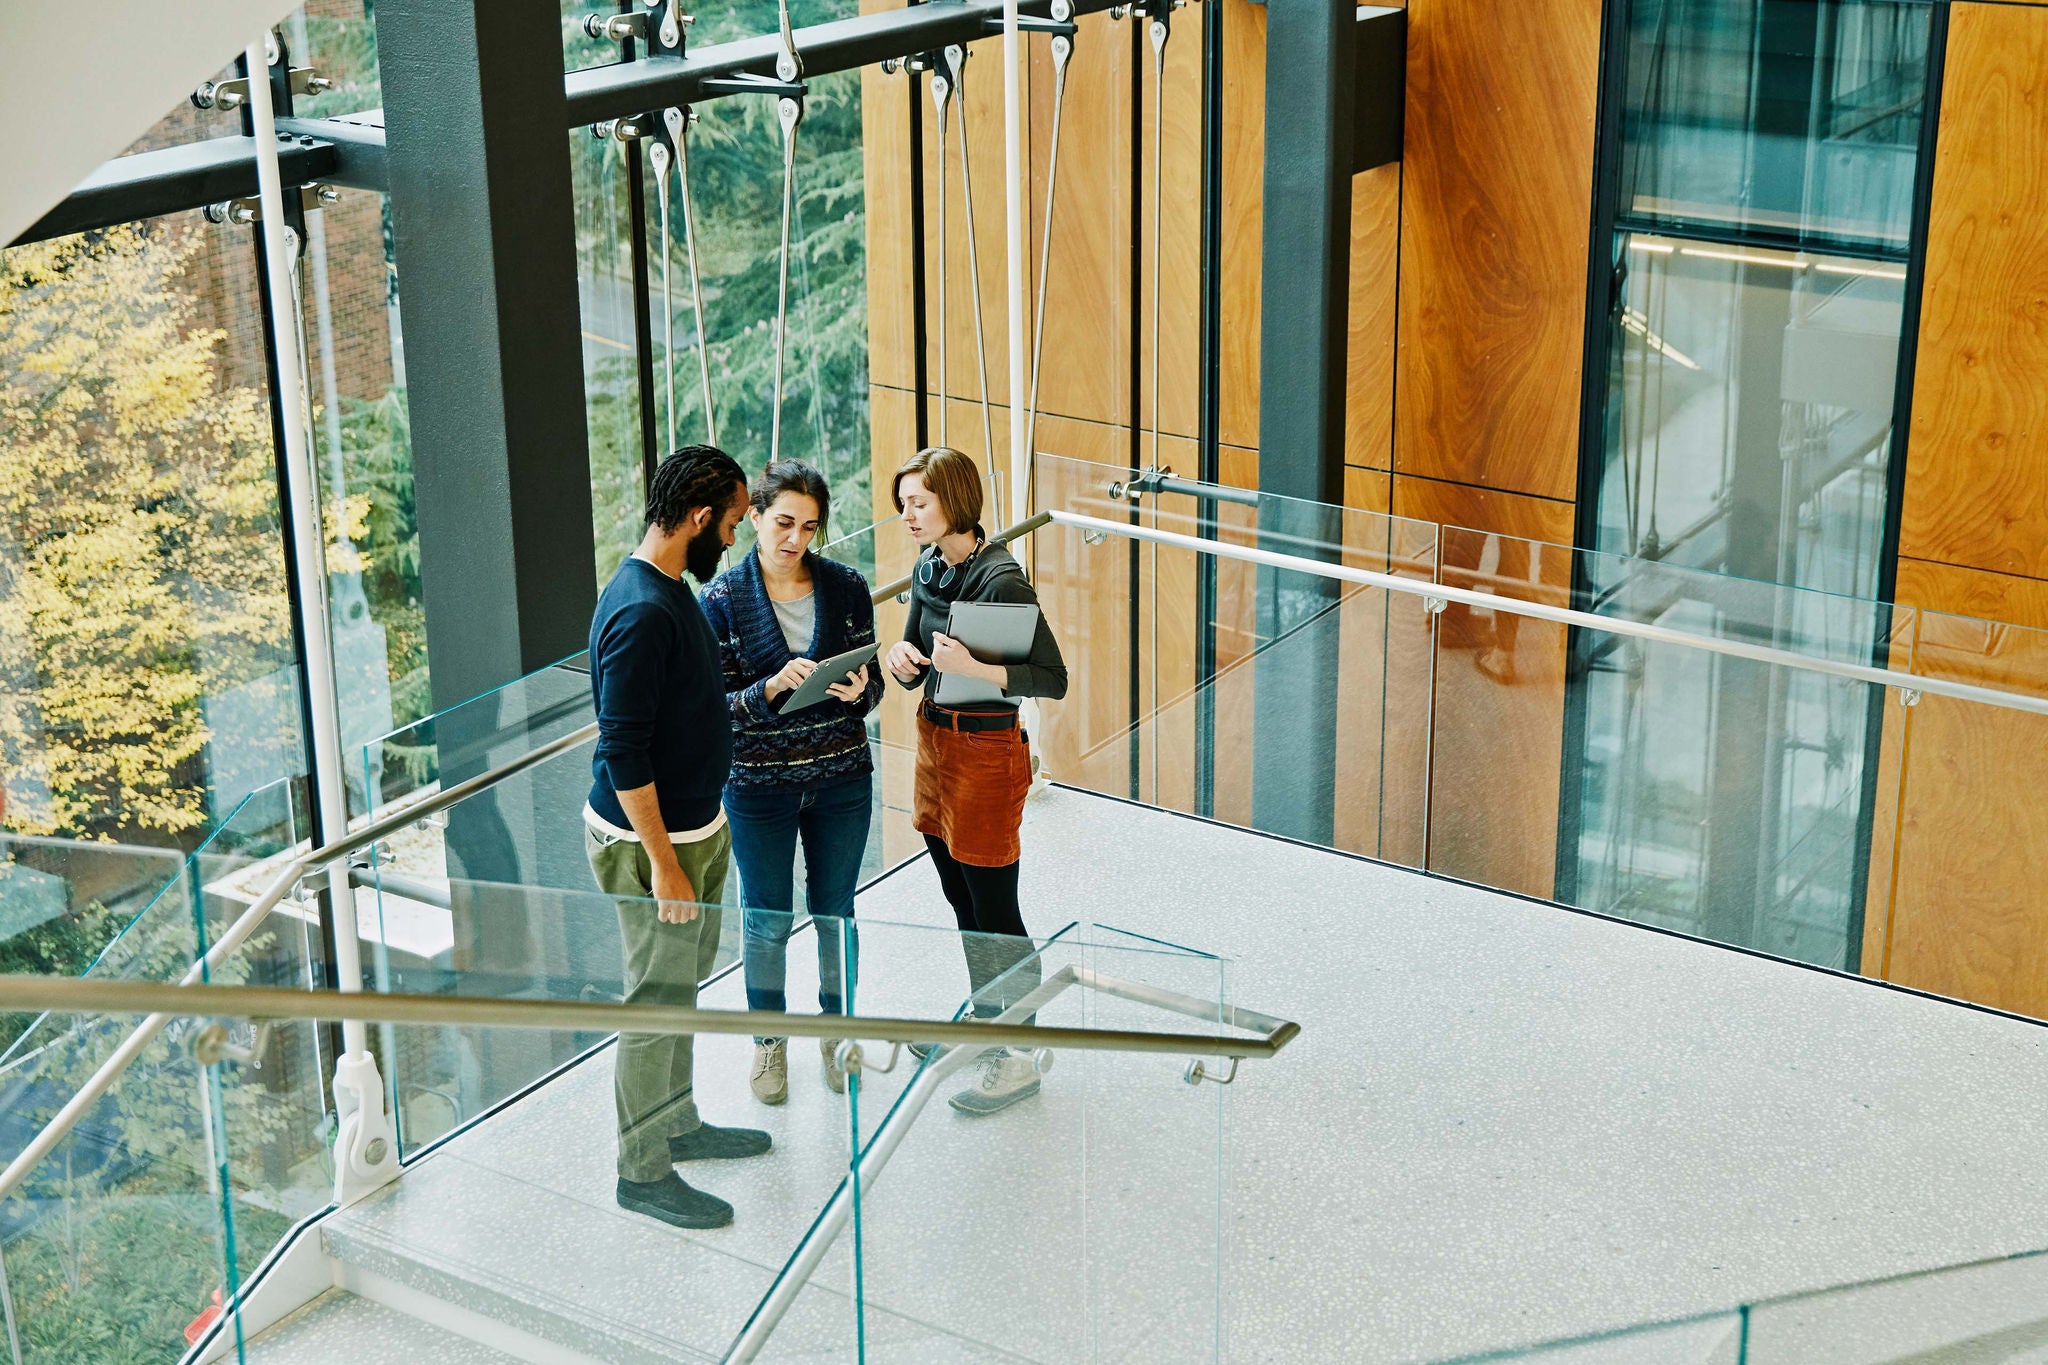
x: 1502, y: 1124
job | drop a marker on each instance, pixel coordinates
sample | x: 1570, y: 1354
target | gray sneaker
x: 770, y: 1080
x: 1006, y: 1077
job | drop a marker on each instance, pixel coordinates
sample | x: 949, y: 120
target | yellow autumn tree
x: 140, y: 563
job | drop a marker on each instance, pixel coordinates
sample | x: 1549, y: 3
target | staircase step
x: 342, y: 1326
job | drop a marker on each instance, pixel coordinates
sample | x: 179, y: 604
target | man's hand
x: 905, y: 659
x: 676, y: 898
x: 790, y: 678
x: 855, y: 686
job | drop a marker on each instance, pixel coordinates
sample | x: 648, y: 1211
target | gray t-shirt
x: 798, y: 619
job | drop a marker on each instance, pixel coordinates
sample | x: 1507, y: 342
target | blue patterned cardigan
x: 823, y: 743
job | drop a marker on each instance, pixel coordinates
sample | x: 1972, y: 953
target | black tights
x: 984, y: 901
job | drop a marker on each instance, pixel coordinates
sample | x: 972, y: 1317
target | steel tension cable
x: 678, y: 123
x: 1062, y: 53
x: 956, y: 59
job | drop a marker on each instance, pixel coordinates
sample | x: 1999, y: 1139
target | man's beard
x: 703, y: 555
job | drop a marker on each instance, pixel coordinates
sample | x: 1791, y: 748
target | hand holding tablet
x: 831, y: 672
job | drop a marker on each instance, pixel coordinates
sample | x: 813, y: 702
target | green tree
x: 140, y: 568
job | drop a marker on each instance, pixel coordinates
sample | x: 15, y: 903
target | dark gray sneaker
x: 709, y: 1142
x: 674, y: 1203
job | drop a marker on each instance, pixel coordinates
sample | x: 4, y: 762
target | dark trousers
x: 831, y: 821
x: 1002, y: 962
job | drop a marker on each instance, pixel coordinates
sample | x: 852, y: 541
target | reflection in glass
x: 1795, y: 119
x: 1749, y: 443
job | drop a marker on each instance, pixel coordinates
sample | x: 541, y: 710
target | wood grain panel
x: 885, y: 169
x: 1180, y: 233
x: 1977, y: 462
x: 1086, y: 366
x: 1970, y: 918
x: 1497, y: 722
x: 1369, y: 356
x: 1496, y: 201
x: 1244, y: 122
x: 983, y: 80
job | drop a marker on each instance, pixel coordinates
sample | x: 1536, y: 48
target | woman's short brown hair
x: 951, y: 477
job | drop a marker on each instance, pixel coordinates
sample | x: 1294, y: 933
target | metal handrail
x: 1911, y: 683
x: 871, y: 1159
x: 245, y: 924
x: 79, y: 995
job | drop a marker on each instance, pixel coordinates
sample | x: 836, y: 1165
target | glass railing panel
x: 1966, y: 916
x: 1716, y: 795
x: 119, y: 1246
x: 1305, y: 712
x: 1038, y: 1204
x: 112, y: 912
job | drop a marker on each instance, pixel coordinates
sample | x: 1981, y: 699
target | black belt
x: 969, y: 720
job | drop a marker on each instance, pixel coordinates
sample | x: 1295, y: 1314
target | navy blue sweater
x: 661, y: 711
x: 827, y: 742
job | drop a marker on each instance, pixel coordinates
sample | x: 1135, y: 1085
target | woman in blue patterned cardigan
x: 802, y: 776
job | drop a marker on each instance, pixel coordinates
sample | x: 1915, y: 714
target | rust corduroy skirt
x: 971, y: 786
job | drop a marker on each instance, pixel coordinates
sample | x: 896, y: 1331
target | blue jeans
x: 832, y: 822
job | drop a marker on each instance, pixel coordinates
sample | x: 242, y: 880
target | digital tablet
x: 994, y: 633
x: 836, y: 669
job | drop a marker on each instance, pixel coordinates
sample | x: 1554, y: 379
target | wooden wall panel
x: 1977, y: 463
x: 1968, y: 919
x: 984, y: 118
x: 1497, y: 725
x: 885, y: 142
x: 1180, y: 233
x: 1086, y: 368
x: 1244, y: 145
x: 1496, y: 200
x: 1375, y: 275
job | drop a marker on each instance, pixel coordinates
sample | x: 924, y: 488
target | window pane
x: 146, y: 657
x: 1749, y: 435
x: 1794, y: 118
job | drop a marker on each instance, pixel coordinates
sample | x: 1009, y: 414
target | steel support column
x: 1305, y: 280
x: 483, y: 223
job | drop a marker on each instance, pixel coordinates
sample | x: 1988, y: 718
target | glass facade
x: 1787, y: 119
x: 1766, y: 173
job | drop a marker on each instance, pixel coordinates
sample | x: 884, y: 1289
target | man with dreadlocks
x: 654, y: 827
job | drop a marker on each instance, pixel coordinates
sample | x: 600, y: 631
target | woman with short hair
x: 801, y: 776
x: 974, y: 761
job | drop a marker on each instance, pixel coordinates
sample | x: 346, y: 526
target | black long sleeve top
x: 992, y: 575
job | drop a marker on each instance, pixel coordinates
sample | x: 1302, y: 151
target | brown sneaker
x: 770, y: 1081
x: 835, y: 1075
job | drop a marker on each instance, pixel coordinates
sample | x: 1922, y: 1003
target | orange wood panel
x: 1179, y: 270
x: 1497, y: 722
x: 1375, y: 256
x: 1970, y: 918
x: 1977, y: 463
x: 1244, y: 122
x: 1496, y: 204
x: 1086, y: 367
x: 885, y: 111
x: 983, y: 112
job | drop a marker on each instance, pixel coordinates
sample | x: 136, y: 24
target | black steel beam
x: 358, y: 142
x: 628, y: 88
x: 1380, y: 77
x: 1305, y: 282
x: 484, y: 232
x: 176, y: 180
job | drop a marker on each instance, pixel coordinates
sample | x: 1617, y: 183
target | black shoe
x: 708, y: 1142
x: 674, y: 1203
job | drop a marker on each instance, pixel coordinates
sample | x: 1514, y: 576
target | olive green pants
x: 651, y: 1072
